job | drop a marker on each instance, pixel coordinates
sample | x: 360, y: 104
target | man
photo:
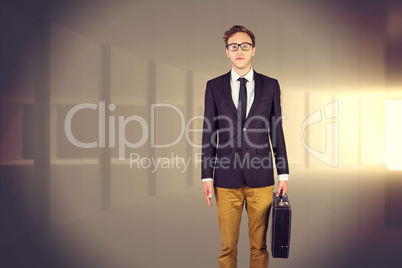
x: 242, y: 122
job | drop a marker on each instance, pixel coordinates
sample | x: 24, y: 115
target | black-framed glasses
x: 244, y: 46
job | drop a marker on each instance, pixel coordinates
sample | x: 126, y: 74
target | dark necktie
x: 242, y: 105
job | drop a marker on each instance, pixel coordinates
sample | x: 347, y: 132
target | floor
x: 338, y: 221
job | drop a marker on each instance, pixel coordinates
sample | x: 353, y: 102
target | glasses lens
x: 233, y: 47
x: 245, y: 46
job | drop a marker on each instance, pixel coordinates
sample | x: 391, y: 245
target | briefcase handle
x: 281, y: 196
x: 281, y: 203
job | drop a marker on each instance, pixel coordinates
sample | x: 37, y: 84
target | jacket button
x: 244, y: 129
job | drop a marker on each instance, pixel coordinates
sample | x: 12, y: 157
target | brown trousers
x: 229, y: 203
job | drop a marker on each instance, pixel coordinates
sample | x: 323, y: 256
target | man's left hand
x: 282, y: 185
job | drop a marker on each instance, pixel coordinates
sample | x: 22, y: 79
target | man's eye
x: 233, y: 47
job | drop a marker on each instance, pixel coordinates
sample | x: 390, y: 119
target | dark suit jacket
x: 235, y: 152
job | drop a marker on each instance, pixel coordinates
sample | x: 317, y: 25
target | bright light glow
x: 393, y: 134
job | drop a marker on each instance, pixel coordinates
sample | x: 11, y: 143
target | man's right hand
x: 208, y: 187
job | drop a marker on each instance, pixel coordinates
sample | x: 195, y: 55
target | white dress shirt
x: 235, y: 88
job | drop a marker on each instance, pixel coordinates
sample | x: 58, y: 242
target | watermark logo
x: 231, y: 133
x: 255, y: 124
x: 330, y: 156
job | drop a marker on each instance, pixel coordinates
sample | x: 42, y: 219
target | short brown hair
x: 237, y: 29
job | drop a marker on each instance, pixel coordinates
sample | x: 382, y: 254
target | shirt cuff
x: 283, y: 177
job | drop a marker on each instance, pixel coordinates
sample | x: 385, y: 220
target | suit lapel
x: 228, y: 93
x: 257, y: 93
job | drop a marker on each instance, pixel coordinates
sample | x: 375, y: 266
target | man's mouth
x: 239, y: 58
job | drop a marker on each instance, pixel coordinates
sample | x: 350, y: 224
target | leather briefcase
x: 280, y: 229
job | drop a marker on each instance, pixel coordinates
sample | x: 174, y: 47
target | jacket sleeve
x: 209, y: 134
x: 276, y: 133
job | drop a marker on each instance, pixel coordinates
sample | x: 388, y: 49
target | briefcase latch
x: 283, y: 204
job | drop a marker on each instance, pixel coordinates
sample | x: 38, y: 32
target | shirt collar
x: 249, y: 76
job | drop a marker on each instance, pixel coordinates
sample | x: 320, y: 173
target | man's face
x: 241, y: 60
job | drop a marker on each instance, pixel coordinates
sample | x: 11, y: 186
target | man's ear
x: 253, y: 51
x: 227, y: 52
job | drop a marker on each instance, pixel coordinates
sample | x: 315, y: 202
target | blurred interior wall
x: 332, y: 55
x: 393, y: 182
